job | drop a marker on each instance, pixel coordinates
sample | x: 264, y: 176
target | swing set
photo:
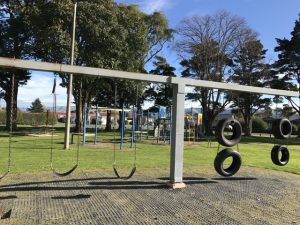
x: 66, y: 173
x: 281, y: 128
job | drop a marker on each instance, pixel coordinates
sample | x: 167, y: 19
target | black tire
x: 235, y: 165
x: 236, y: 132
x: 285, y: 155
x: 282, y: 128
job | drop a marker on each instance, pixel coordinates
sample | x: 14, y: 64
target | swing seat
x: 65, y: 173
x: 124, y: 178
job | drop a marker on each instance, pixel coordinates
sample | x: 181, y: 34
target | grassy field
x: 32, y: 154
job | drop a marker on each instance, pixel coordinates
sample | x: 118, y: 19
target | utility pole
x: 70, y: 86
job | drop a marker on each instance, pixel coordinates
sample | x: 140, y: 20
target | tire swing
x: 280, y: 155
x: 55, y: 172
x: 236, y: 128
x: 281, y: 129
x: 235, y: 165
x: 133, y: 170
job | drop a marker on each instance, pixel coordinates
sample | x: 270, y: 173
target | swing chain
x: 11, y: 120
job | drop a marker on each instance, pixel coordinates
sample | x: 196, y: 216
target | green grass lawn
x: 32, y: 154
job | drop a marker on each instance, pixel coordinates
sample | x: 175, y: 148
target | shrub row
x: 33, y: 119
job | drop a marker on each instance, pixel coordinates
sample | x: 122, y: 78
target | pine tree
x: 36, y: 106
x: 288, y: 63
x: 161, y: 93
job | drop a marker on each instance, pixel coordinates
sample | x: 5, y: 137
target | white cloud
x: 150, y: 6
x: 40, y: 86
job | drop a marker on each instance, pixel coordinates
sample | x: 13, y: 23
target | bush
x: 33, y: 119
x: 2, y: 117
x: 62, y: 119
x: 294, y: 129
x: 36, y: 119
x: 259, y: 125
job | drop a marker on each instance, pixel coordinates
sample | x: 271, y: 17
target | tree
x: 207, y: 45
x: 288, y: 63
x: 36, y: 106
x: 161, y: 94
x: 15, y: 36
x: 108, y: 35
x: 248, y: 68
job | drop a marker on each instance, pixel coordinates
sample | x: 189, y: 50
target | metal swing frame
x: 179, y: 85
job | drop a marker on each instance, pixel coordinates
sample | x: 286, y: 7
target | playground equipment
x: 178, y: 85
x: 190, y: 128
x: 97, y: 110
x: 60, y: 174
x: 133, y: 170
x: 230, y: 141
x: 162, y: 123
x: 236, y: 128
x: 281, y: 129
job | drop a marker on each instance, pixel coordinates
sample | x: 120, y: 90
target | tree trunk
x: 209, y: 123
x: 120, y: 120
x: 108, y: 121
x: 247, y: 119
x: 247, y: 128
x: 79, y: 106
x: 79, y: 115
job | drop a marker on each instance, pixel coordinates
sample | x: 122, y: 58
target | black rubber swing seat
x: 280, y: 155
x: 65, y: 173
x: 235, y: 164
x: 236, y: 132
x: 282, y: 128
x: 124, y: 178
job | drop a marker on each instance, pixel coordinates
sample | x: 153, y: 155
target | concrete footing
x: 176, y: 185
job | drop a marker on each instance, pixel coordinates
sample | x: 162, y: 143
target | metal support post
x: 141, y: 123
x: 122, y: 127
x: 70, y: 85
x: 177, y: 142
x: 96, y: 126
x: 84, y: 122
x: 170, y: 125
x: 132, y: 127
x: 148, y: 125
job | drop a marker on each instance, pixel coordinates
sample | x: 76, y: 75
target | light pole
x: 70, y: 86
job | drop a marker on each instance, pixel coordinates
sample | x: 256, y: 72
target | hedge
x: 33, y: 119
x: 259, y: 125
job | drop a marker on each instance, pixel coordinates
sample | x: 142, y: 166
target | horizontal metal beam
x: 91, y: 71
x: 234, y: 87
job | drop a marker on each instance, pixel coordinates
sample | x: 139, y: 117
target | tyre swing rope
x: 281, y: 129
x: 228, y: 152
x: 60, y: 174
x: 10, y: 127
x: 115, y: 158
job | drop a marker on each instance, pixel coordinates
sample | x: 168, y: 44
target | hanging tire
x: 282, y: 128
x: 280, y: 155
x: 236, y: 132
x: 233, y: 168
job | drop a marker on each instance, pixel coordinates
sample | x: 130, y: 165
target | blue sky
x: 269, y: 18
